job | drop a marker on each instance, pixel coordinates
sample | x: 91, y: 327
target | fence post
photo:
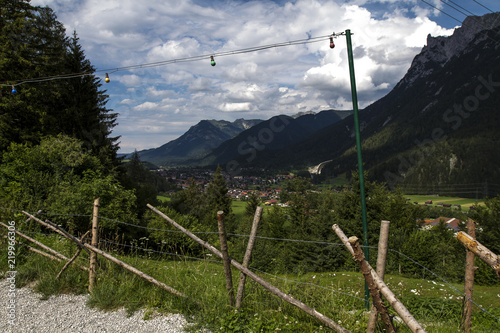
x: 469, y: 279
x: 248, y: 254
x: 225, y: 257
x: 375, y: 293
x: 384, y: 289
x: 94, y: 243
x: 381, y: 258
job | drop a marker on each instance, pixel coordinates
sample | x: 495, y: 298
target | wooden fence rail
x: 480, y: 250
x: 43, y: 246
x: 384, y: 289
x: 312, y: 312
x: 88, y: 247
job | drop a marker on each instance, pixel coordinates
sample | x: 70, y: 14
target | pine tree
x: 17, y: 120
x: 33, y: 45
x: 252, y: 204
x: 84, y: 105
x: 217, y: 198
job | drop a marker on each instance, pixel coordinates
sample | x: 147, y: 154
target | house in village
x: 452, y: 223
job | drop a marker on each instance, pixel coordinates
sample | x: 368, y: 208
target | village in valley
x: 240, y: 187
x: 269, y: 189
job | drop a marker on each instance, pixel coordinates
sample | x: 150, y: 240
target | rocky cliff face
x: 440, y: 50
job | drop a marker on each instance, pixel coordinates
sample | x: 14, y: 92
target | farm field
x: 163, y: 198
x: 464, y: 202
x: 238, y: 208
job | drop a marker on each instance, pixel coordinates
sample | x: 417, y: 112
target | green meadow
x: 463, y: 202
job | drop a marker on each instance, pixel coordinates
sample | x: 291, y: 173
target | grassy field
x: 338, y: 295
x: 163, y: 198
x: 238, y: 208
x: 464, y: 202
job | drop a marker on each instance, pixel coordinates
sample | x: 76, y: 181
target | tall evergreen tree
x: 252, y: 204
x: 217, y: 198
x: 18, y: 121
x: 33, y: 45
x: 84, y: 105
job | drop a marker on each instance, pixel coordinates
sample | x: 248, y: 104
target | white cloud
x: 234, y: 107
x: 387, y: 34
x: 146, y: 106
x: 128, y: 101
x: 130, y: 80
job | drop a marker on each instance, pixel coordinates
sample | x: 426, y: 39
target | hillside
x: 196, y: 142
x: 276, y: 134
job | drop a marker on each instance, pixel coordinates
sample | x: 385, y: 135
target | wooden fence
x: 373, y: 278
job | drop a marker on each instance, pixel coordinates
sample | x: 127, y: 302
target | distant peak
x: 441, y: 49
x: 300, y: 114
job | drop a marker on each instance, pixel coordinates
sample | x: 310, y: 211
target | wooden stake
x: 94, y: 243
x: 43, y: 246
x: 248, y: 255
x: 469, y: 279
x: 384, y: 290
x: 381, y: 259
x: 377, y: 300
x: 312, y: 312
x: 480, y: 250
x: 32, y: 249
x: 57, y: 229
x: 88, y: 247
x: 225, y: 257
x: 74, y: 256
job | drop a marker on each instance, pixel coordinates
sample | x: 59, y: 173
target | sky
x: 157, y: 104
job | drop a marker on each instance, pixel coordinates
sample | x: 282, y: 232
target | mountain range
x: 437, y: 128
x: 198, y: 141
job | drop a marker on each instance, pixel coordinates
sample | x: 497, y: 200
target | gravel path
x: 68, y: 313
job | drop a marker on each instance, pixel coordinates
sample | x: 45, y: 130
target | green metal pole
x: 360, y: 160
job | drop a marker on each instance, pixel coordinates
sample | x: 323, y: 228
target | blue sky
x: 158, y: 104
